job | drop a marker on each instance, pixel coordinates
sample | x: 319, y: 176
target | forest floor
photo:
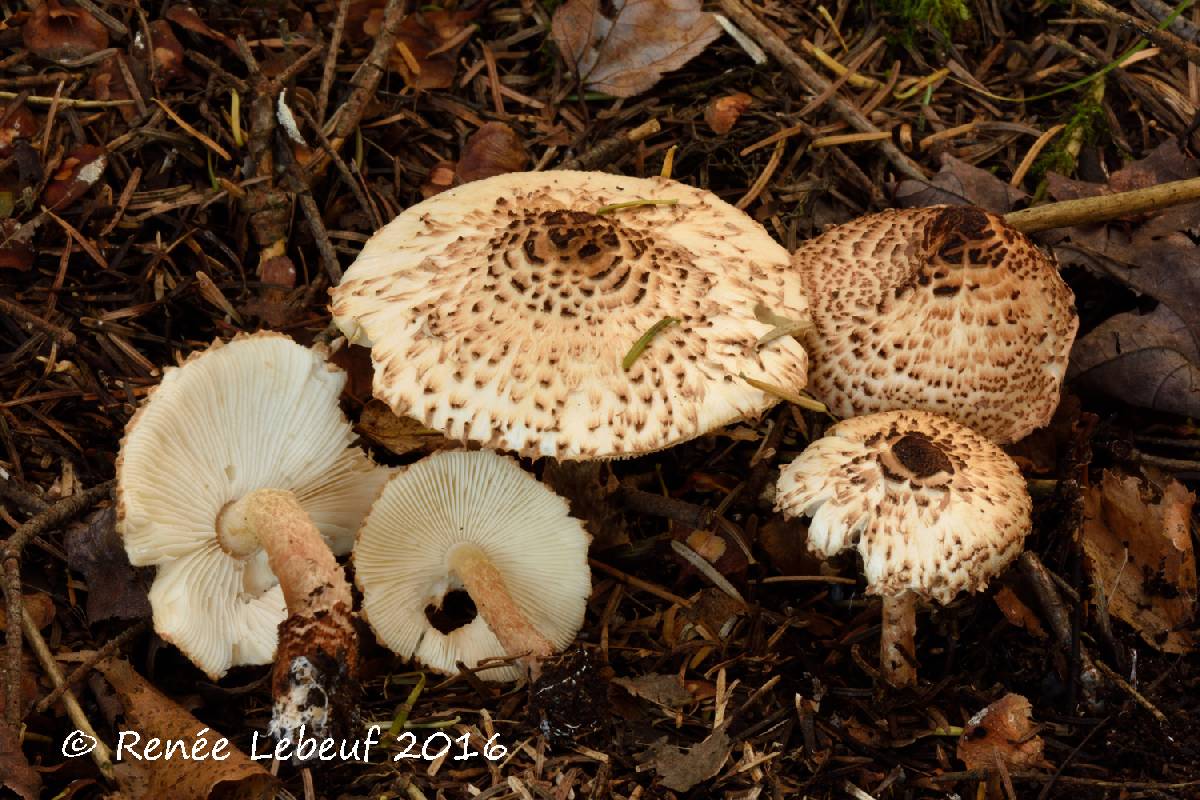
x: 152, y: 199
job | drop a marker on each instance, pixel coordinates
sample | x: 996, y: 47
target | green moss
x: 941, y: 17
x: 1084, y: 126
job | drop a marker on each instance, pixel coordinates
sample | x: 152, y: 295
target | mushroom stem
x: 298, y: 555
x: 897, y: 644
x: 485, y: 585
x: 316, y: 662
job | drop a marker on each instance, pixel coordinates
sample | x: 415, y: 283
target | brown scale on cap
x: 501, y: 311
x: 944, y: 309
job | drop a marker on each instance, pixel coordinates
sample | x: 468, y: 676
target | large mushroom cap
x: 949, y: 310
x: 258, y: 412
x: 452, y: 498
x: 500, y: 311
x: 931, y: 506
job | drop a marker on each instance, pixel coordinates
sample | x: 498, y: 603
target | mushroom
x: 931, y: 506
x: 504, y: 311
x: 945, y: 309
x: 473, y: 521
x: 235, y: 478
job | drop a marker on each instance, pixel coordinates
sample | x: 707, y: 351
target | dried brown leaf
x: 18, y: 123
x: 401, y: 435
x: 60, y: 33
x: 1003, y: 731
x: 15, y: 773
x: 494, y: 149
x: 1016, y: 612
x: 588, y: 487
x: 185, y: 16
x: 427, y: 46
x: 79, y: 171
x: 680, y: 770
x: 115, y: 589
x: 1137, y: 547
x: 665, y: 690
x: 722, y: 113
x: 623, y: 47
x: 958, y: 183
x: 153, y: 714
x: 39, y: 606
x: 1149, y: 360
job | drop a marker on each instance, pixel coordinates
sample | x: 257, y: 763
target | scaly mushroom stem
x: 485, y: 585
x: 316, y: 663
x: 897, y: 644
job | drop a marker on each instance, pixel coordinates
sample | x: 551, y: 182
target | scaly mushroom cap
x: 258, y: 412
x: 401, y: 559
x: 500, y: 312
x: 945, y: 309
x: 930, y: 505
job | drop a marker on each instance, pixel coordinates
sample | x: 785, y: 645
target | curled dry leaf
x: 15, y: 773
x: 440, y: 178
x: 163, y: 50
x: 401, y: 435
x: 1138, y: 550
x: 16, y: 122
x: 1019, y: 614
x: 680, y: 770
x: 115, y: 589
x: 958, y: 183
x: 153, y: 714
x: 107, y: 82
x: 80, y: 169
x: 39, y: 606
x: 665, y: 690
x: 623, y: 47
x: 1004, y: 731
x: 1149, y: 360
x: 60, y: 33
x: 722, y: 113
x: 15, y: 252
x: 427, y: 45
x: 588, y: 487
x: 185, y: 16
x: 494, y: 149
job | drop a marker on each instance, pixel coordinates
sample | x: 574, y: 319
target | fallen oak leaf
x: 680, y: 771
x: 1003, y: 731
x: 152, y: 714
x: 1150, y: 360
x: 1137, y: 547
x: 623, y: 47
x: 494, y: 149
x: 15, y: 773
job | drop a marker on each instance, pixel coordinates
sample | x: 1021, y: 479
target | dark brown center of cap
x: 920, y: 456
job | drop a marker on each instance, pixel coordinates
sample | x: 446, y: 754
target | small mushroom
x: 473, y: 521
x: 931, y: 506
x: 503, y: 311
x: 61, y: 33
x: 946, y: 309
x: 235, y: 478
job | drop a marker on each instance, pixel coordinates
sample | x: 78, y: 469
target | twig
x: 1163, y: 38
x: 611, y: 149
x: 335, y: 42
x: 745, y: 19
x: 1090, y: 210
x: 66, y: 102
x: 56, y: 332
x: 1132, y: 692
x: 52, y: 517
x: 100, y: 752
x: 81, y: 671
x: 638, y: 583
x: 365, y: 81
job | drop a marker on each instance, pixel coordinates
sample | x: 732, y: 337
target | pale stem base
x: 897, y: 644
x: 485, y: 585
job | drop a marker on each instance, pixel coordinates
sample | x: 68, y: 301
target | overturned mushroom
x: 473, y: 521
x: 948, y: 310
x: 235, y: 478
x: 504, y: 311
x: 932, y: 507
